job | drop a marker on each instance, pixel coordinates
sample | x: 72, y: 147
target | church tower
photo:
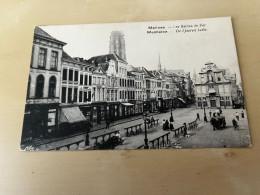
x: 117, y: 44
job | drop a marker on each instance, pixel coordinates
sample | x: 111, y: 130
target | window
x: 70, y: 75
x: 63, y: 95
x: 86, y: 79
x: 89, y: 96
x: 64, y: 74
x: 42, y: 58
x: 76, y: 75
x: 90, y: 80
x: 75, y: 98
x: 94, y: 80
x: 103, y: 81
x: 85, y: 96
x: 39, y: 86
x: 81, y: 79
x: 219, y: 79
x: 52, y: 87
x: 28, y: 87
x: 69, y: 95
x: 80, y: 96
x: 115, y: 95
x: 54, y: 60
x: 32, y: 56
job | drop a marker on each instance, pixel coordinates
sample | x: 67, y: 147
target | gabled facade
x: 215, y: 87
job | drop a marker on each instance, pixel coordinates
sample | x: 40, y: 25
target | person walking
x: 242, y: 114
x: 198, y: 116
x: 210, y: 113
x: 185, y: 129
x: 237, y: 115
x: 205, y: 118
x: 235, y: 124
x: 166, y: 125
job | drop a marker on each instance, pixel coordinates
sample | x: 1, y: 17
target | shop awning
x: 212, y: 91
x: 71, y: 115
x: 182, y: 100
x: 127, y: 104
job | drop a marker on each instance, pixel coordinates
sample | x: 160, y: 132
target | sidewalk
x: 121, y: 121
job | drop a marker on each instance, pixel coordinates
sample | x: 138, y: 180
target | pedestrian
x: 237, y: 115
x: 210, y: 113
x: 118, y: 135
x: 242, y: 114
x: 107, y: 124
x: 184, y: 129
x: 166, y: 125
x: 171, y: 126
x: 163, y: 125
x: 235, y: 124
x: 205, y: 118
x: 198, y: 116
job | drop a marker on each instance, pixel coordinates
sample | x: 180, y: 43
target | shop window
x: 54, y: 60
x: 39, y: 86
x: 52, y: 87
x: 42, y: 58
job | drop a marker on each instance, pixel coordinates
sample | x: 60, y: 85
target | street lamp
x: 171, y: 118
x: 146, y: 146
x: 204, y: 105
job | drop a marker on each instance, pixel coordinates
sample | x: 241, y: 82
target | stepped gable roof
x: 39, y: 32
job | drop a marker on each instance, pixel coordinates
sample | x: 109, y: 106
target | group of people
x: 167, y: 125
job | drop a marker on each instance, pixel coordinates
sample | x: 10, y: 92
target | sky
x: 188, y: 50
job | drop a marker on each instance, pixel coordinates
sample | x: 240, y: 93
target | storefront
x: 40, y: 121
x: 127, y: 109
x: 71, y: 120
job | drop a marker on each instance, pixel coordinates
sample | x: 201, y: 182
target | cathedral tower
x: 117, y: 44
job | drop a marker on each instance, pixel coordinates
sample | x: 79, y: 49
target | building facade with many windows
x: 215, y: 87
x: 43, y: 91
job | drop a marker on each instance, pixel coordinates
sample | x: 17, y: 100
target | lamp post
x: 204, y: 105
x: 146, y: 146
x: 171, y: 118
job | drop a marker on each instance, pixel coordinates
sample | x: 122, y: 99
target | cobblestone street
x: 204, y: 136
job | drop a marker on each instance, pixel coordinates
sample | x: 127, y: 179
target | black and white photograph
x: 138, y: 85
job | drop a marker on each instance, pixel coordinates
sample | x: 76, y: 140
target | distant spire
x: 159, y: 65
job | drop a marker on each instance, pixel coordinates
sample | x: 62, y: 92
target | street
x: 204, y: 136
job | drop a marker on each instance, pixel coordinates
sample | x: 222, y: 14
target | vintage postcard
x: 142, y: 85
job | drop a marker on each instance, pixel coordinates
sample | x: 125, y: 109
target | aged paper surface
x: 185, y: 171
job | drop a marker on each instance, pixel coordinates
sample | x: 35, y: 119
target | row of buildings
x: 64, y: 92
